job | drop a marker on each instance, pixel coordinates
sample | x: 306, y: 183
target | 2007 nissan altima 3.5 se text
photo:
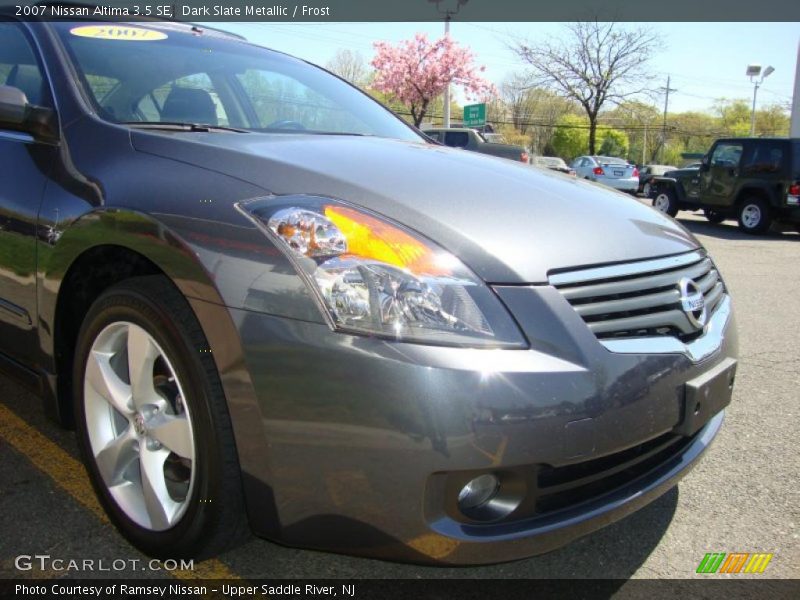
x: 267, y: 304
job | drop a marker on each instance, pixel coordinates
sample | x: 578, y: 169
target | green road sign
x: 475, y: 115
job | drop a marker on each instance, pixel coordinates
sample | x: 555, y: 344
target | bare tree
x: 349, y: 65
x: 595, y: 63
x: 520, y: 99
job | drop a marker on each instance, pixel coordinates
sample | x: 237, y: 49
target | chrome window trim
x: 16, y: 136
x: 626, y: 269
x: 697, y: 350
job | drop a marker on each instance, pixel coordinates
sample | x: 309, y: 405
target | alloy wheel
x: 661, y: 203
x: 139, y: 427
x: 751, y: 216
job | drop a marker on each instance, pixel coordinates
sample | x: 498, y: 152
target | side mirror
x: 18, y: 114
x: 13, y: 104
x: 705, y: 163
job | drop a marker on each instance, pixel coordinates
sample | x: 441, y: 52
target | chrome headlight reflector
x: 377, y: 278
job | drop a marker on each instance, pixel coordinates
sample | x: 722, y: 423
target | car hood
x: 681, y: 173
x: 508, y: 222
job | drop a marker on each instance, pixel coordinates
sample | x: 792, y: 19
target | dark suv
x: 755, y: 180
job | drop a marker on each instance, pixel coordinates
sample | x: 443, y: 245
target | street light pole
x: 446, y: 108
x: 753, y: 71
x: 753, y: 111
x: 448, y: 14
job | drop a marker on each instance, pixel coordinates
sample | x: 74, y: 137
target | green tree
x: 571, y: 137
x: 733, y: 116
x: 613, y: 142
x: 772, y: 120
x: 694, y: 131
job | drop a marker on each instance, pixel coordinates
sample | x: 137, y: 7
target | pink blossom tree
x: 416, y: 71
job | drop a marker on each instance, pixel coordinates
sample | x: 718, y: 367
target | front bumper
x: 343, y: 438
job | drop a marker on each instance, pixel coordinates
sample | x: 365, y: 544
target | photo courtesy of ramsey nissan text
x: 367, y: 301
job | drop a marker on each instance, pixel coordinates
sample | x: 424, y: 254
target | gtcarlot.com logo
x: 44, y: 562
x: 735, y: 562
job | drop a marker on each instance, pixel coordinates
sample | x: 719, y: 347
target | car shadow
x: 729, y: 230
x: 614, y: 552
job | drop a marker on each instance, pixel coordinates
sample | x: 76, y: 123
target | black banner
x: 746, y: 587
x: 411, y: 10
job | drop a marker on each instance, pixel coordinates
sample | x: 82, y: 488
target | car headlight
x: 374, y: 277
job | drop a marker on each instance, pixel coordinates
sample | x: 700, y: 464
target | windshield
x: 494, y: 138
x: 551, y: 162
x: 139, y: 74
x: 611, y: 160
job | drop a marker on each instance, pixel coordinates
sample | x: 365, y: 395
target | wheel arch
x: 749, y: 191
x: 665, y: 184
x: 99, y: 250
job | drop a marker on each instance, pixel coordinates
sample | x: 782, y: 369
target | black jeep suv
x: 755, y: 180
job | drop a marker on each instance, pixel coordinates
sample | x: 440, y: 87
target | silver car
x: 608, y: 170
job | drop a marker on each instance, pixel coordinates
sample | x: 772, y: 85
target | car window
x: 456, y: 139
x: 279, y: 99
x: 764, y: 157
x: 172, y: 75
x: 191, y: 98
x: 727, y: 154
x: 18, y: 65
x: 434, y: 135
x: 611, y: 160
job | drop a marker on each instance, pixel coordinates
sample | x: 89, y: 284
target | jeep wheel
x: 152, y: 423
x: 714, y: 216
x: 646, y: 189
x: 665, y: 202
x: 754, y: 216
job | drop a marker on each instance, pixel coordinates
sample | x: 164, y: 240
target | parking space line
x: 69, y: 475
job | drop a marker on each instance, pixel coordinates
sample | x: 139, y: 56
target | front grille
x: 641, y: 298
x: 563, y: 487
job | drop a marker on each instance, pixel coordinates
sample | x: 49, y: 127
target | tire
x: 714, y: 216
x: 755, y: 216
x: 196, y: 509
x: 665, y: 202
x: 646, y: 189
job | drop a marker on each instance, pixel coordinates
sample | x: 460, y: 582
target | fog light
x: 478, y: 491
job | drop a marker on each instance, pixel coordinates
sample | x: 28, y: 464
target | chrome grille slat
x: 670, y: 318
x: 714, y: 296
x: 708, y: 282
x: 629, y: 304
x: 626, y: 286
x: 641, y: 299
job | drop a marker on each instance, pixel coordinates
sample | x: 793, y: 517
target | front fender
x: 189, y: 261
x: 659, y: 184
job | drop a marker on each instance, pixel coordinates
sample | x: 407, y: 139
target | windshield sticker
x: 116, y: 32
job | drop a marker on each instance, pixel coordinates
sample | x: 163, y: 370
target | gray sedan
x: 293, y: 314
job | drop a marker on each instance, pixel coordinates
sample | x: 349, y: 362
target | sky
x: 705, y: 61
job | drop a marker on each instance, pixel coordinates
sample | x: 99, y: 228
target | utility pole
x: 446, y: 108
x: 795, y: 123
x: 666, y: 90
x: 448, y: 14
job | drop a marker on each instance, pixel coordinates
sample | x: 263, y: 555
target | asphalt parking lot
x: 743, y: 497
